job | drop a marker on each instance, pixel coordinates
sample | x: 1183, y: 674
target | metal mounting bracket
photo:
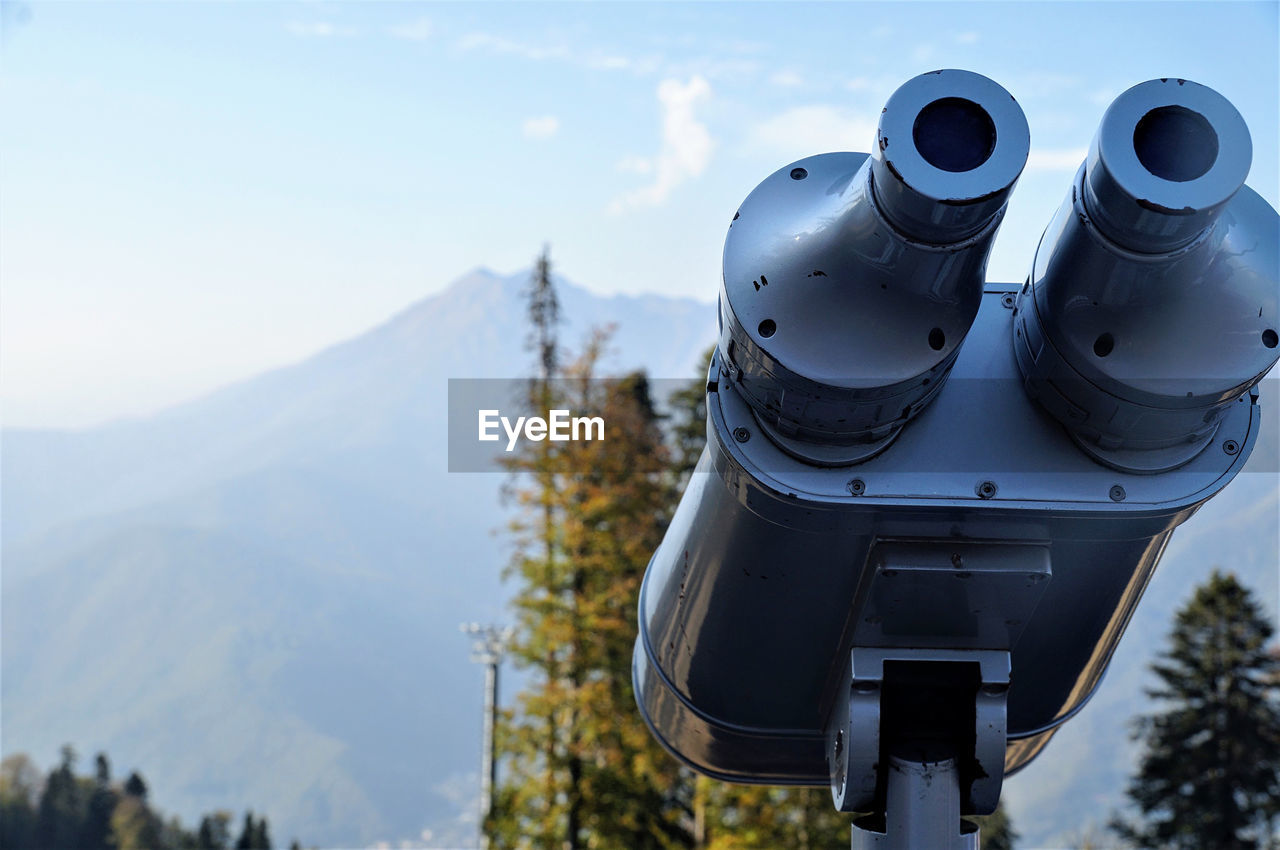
x: 917, y: 734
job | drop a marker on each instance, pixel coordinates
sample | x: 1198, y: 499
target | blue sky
x: 191, y: 193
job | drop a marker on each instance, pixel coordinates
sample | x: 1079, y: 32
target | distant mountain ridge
x: 254, y: 596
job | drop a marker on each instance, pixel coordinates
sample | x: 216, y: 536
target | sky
x: 192, y: 193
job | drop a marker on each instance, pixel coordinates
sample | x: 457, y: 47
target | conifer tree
x: 96, y: 832
x: 134, y: 826
x: 19, y: 796
x: 60, y: 815
x: 136, y: 786
x: 214, y: 832
x: 580, y: 767
x: 1210, y: 773
x: 248, y: 832
x: 996, y: 831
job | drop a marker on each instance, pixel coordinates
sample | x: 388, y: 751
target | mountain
x: 254, y: 597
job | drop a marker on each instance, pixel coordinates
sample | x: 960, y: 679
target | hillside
x: 255, y: 596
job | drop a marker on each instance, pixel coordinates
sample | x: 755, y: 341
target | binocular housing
x: 906, y: 463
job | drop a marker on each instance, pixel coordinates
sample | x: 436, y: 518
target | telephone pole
x: 488, y: 647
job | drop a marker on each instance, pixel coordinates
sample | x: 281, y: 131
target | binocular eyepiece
x: 850, y: 280
x: 1151, y: 305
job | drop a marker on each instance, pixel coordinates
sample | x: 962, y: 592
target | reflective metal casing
x: 1152, y: 304
x: 856, y: 449
x: 850, y: 281
x: 748, y: 607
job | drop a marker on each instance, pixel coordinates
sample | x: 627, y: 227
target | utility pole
x: 488, y: 647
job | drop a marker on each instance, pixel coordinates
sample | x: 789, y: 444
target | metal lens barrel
x: 1151, y: 307
x: 850, y: 281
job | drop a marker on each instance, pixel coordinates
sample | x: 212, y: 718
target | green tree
x: 1210, y: 773
x: 581, y: 769
x: 688, y: 425
x: 61, y: 812
x: 136, y: 786
x: 96, y: 831
x: 134, y: 826
x: 248, y: 833
x: 19, y: 797
x: 214, y: 832
x: 996, y: 830
x: 758, y: 817
x: 262, y: 835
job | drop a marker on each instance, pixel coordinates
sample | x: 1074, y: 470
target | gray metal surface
x: 1152, y: 304
x: 923, y: 810
x: 748, y: 607
x: 855, y: 732
x: 888, y: 479
x: 844, y: 299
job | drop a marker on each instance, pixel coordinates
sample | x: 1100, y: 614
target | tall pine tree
x: 581, y: 769
x: 1210, y: 773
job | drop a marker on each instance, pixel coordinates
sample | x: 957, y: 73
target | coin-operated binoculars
x: 929, y: 505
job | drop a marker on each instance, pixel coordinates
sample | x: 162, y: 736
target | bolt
x: 1231, y: 447
x: 986, y: 490
x: 741, y: 434
x: 1006, y: 300
x: 1117, y: 493
x: 857, y: 487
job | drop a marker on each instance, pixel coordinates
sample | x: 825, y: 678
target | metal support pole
x: 489, y: 647
x: 488, y: 766
x: 922, y: 810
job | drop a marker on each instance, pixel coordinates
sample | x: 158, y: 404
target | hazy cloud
x: 419, y: 29
x: 787, y: 79
x: 594, y: 58
x: 509, y: 47
x: 317, y: 29
x: 1060, y: 159
x: 923, y: 52
x: 635, y: 165
x: 541, y: 127
x: 806, y: 130
x: 686, y: 144
x: 966, y: 37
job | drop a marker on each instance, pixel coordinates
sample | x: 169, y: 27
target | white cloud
x: 1104, y: 96
x: 505, y: 46
x: 635, y: 165
x: 1060, y: 159
x: 541, y: 127
x: 806, y: 130
x: 969, y: 37
x: 419, y: 29
x: 686, y: 144
x: 317, y: 29
x: 787, y: 79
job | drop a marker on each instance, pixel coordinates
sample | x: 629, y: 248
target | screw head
x: 1006, y: 300
x: 1117, y: 493
x: 857, y: 487
x: 1231, y: 447
x: 741, y: 434
x: 986, y: 490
